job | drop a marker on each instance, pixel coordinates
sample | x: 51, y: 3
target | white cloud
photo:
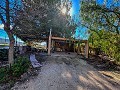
x: 1, y: 26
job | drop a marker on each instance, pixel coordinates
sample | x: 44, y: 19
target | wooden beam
x: 64, y: 39
x: 59, y: 38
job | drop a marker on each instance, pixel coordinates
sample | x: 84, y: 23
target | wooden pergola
x: 35, y: 36
x: 51, y: 39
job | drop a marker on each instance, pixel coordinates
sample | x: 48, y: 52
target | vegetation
x: 103, y: 23
x: 15, y: 71
x: 3, y: 54
x: 96, y: 16
x: 8, y: 17
x: 33, y: 19
x: 39, y: 16
x: 106, y: 43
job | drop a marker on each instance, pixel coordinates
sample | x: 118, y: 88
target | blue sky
x: 81, y: 32
x: 3, y: 34
x: 75, y: 7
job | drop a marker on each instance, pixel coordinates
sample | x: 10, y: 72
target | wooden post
x: 78, y: 50
x: 86, y: 49
x: 74, y: 46
x: 52, y: 43
x: 49, y: 43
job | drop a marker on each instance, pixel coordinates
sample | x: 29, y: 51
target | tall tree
x: 103, y: 22
x: 96, y: 16
x: 8, y: 17
x: 39, y: 16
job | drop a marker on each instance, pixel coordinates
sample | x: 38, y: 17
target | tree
x: 95, y: 16
x: 38, y: 16
x: 103, y: 23
x: 107, y: 42
x: 8, y: 16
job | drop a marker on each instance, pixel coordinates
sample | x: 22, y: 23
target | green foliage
x: 107, y: 42
x: 16, y: 70
x: 3, y: 75
x: 95, y: 16
x: 3, y: 54
x: 39, y: 16
x: 20, y: 66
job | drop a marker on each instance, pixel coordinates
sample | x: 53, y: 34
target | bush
x: 16, y: 70
x: 20, y: 66
x: 4, y: 74
x: 107, y: 42
x: 3, y: 54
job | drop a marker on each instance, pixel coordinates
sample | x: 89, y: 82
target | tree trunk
x: 11, y: 52
x: 10, y: 34
x: 11, y: 48
x: 11, y: 44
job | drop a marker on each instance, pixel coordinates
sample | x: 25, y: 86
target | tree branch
x: 2, y: 8
x: 109, y: 23
x: 7, y: 14
x: 103, y: 9
x: 2, y: 19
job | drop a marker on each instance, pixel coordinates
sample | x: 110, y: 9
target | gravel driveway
x: 68, y: 72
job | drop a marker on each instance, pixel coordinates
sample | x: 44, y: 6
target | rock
x: 101, y: 66
x: 118, y: 68
x: 24, y: 77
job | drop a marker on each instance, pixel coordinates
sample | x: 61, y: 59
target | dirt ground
x: 68, y: 72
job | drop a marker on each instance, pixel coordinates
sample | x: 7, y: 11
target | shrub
x: 107, y: 42
x: 16, y: 70
x: 4, y: 76
x: 3, y: 54
x: 20, y: 66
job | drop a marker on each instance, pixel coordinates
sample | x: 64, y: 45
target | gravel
x: 68, y: 72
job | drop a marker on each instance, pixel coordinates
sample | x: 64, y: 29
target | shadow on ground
x: 62, y: 71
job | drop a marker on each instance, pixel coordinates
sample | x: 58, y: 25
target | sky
x: 81, y: 32
x: 75, y: 7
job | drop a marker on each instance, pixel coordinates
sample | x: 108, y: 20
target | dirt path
x: 61, y: 72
